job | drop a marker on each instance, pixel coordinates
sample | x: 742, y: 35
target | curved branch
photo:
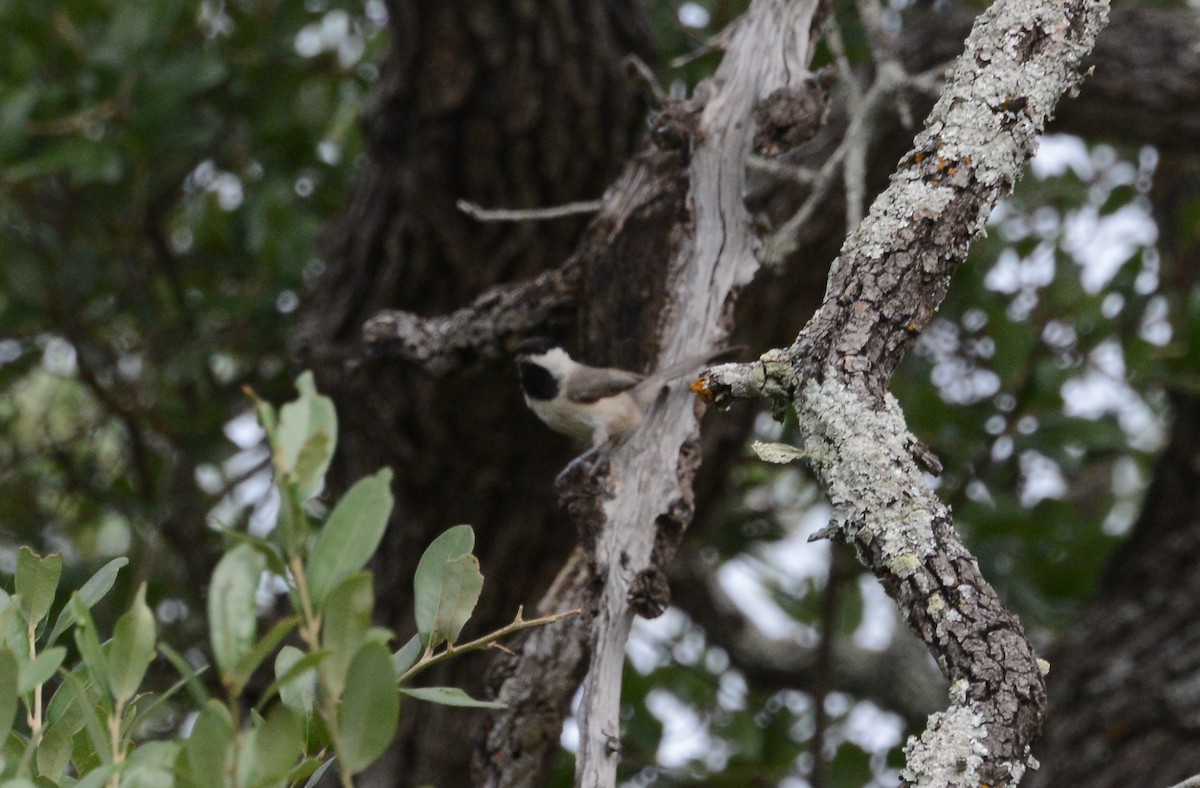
x: 1143, y: 91
x: 1020, y: 58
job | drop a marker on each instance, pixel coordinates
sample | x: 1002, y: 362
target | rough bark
x: 646, y: 499
x: 1145, y: 87
x: 503, y: 104
x: 892, y: 274
x: 436, y: 134
x: 663, y: 259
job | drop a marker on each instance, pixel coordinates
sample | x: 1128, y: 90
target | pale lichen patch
x: 860, y: 451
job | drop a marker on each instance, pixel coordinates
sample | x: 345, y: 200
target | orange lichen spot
x: 700, y: 388
x: 911, y: 328
x: 918, y: 157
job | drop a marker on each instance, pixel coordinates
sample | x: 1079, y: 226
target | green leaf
x: 132, y: 648
x: 447, y: 585
x: 38, y: 671
x: 65, y: 705
x: 8, y: 691
x: 95, y: 589
x: 18, y: 782
x: 151, y: 765
x: 450, y: 696
x: 262, y: 650
x: 370, y: 708
x: 407, y: 656
x: 296, y: 679
x: 179, y: 662
x: 275, y: 562
x: 88, y: 643
x: 37, y: 580
x: 302, y: 771
x: 315, y: 779
x: 351, y: 534
x: 98, y: 777
x: 84, y: 757
x: 266, y: 414
x: 311, y: 465
x: 97, y: 736
x: 270, y: 749
x: 143, y: 714
x: 86, y: 161
x: 293, y: 524
x: 311, y: 419
x: 54, y: 750
x: 10, y: 627
x: 346, y: 620
x: 208, y: 746
x: 232, y: 610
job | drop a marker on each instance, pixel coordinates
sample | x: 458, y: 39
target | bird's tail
x: 646, y: 391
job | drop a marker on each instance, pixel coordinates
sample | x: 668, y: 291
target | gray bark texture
x: 1020, y: 58
x: 501, y: 103
x: 511, y: 105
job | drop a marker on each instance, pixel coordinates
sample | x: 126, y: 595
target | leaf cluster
x: 335, y: 690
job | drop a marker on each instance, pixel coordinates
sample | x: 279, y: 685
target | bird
x: 591, y: 404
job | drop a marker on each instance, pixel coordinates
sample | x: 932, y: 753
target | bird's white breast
x: 592, y: 422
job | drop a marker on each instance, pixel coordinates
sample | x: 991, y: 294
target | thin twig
x: 858, y: 135
x: 885, y: 53
x: 527, y: 214
x: 833, y: 39
x: 839, y: 571
x: 646, y: 77
x: 805, y: 176
x: 852, y: 151
x: 429, y: 659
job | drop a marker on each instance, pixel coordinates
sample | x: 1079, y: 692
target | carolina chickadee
x: 590, y: 404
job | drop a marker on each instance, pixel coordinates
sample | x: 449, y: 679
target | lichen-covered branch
x: 446, y: 343
x: 1020, y: 58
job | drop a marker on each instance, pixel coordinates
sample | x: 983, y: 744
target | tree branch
x: 1141, y: 91
x: 445, y: 344
x: 648, y: 479
x: 481, y: 214
x: 1020, y: 58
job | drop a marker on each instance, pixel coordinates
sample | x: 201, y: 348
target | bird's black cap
x: 535, y: 346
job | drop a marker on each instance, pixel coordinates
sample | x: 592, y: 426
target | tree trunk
x: 506, y: 105
x: 510, y: 104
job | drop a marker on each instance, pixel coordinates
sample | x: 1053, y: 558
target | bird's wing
x: 588, y: 384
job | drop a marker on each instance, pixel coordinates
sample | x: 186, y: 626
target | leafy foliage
x: 164, y: 170
x: 335, y: 699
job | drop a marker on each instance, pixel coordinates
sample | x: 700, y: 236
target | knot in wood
x: 649, y: 593
x: 675, y: 127
x: 790, y: 116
